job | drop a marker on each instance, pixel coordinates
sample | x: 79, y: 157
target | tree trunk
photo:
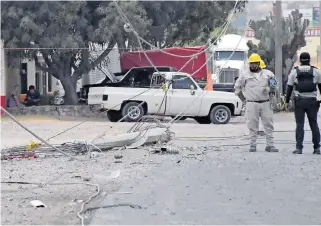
x: 69, y: 86
x: 69, y: 83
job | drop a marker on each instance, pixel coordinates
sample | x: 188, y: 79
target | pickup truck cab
x: 169, y: 94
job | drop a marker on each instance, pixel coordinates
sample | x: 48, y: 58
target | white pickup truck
x: 181, y: 91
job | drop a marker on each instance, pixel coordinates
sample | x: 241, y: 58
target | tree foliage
x: 63, y: 33
x: 182, y: 22
x: 293, y: 38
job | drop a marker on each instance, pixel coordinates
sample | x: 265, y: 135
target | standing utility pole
x: 278, y: 47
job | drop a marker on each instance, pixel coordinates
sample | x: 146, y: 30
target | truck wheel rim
x: 133, y: 112
x: 221, y: 115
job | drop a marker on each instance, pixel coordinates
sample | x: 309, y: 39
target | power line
x: 52, y: 48
x: 123, y: 16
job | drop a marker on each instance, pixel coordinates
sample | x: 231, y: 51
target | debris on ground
x: 37, y: 204
x: 118, y: 156
x: 166, y: 150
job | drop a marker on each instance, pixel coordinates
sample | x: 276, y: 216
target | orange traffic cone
x: 209, y: 82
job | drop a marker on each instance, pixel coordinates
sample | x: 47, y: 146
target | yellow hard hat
x: 254, y: 58
x: 262, y: 64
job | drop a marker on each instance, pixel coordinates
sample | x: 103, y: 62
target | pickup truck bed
x: 225, y: 87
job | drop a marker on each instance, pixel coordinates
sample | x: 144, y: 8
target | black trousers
x: 311, y: 108
x: 29, y: 103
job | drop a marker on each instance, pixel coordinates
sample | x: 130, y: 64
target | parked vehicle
x: 159, y: 58
x: 230, y: 58
x: 182, y: 90
x: 135, y: 77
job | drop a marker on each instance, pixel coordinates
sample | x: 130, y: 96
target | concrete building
x: 19, y: 78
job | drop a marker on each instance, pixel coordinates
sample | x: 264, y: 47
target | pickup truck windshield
x: 141, y: 77
x: 225, y: 55
x: 182, y: 82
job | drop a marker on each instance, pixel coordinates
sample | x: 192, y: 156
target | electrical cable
x: 183, y: 113
x: 138, y: 37
x: 81, y: 212
x: 178, y: 118
x: 39, y: 138
x: 82, y: 122
x: 225, y: 24
x: 126, y: 20
x: 192, y: 58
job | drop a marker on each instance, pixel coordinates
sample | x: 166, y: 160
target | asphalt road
x: 231, y: 186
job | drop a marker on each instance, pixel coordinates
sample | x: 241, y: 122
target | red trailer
x: 158, y: 58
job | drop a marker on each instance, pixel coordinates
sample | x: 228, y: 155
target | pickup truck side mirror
x: 192, y: 90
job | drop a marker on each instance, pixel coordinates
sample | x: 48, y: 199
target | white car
x: 182, y: 95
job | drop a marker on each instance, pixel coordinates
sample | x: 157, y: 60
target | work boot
x: 271, y: 149
x: 316, y: 151
x: 297, y: 152
x: 252, y: 149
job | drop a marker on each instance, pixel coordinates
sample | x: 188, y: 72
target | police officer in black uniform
x: 304, y: 79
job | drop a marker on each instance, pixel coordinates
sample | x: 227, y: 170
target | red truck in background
x: 158, y: 58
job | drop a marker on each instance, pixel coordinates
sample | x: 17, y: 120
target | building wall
x: 12, y: 76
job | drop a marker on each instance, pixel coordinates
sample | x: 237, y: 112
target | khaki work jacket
x: 254, y: 86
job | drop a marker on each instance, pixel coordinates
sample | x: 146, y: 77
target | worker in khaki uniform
x: 253, y: 86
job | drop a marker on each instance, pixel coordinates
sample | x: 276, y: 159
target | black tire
x: 113, y: 116
x: 181, y: 119
x: 203, y: 120
x: 128, y: 107
x: 220, y: 114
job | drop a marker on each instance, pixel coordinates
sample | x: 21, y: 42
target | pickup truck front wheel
x: 133, y: 111
x: 220, y: 114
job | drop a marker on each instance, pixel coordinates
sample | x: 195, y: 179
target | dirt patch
x: 63, y: 201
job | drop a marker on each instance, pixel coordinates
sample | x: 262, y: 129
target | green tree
x: 293, y: 38
x: 184, y: 22
x: 63, y: 33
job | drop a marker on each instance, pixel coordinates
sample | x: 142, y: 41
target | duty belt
x: 258, y: 101
x: 298, y: 97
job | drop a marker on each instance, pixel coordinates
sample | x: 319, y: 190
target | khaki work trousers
x: 254, y: 112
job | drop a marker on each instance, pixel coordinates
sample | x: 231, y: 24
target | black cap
x: 304, y: 57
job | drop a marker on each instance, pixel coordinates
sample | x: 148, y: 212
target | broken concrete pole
x: 134, y: 139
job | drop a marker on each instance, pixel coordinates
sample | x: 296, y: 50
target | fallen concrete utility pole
x: 134, y: 139
x: 128, y: 140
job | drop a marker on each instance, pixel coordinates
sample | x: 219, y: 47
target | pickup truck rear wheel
x: 203, y: 120
x: 220, y: 114
x: 114, y: 116
x: 133, y: 111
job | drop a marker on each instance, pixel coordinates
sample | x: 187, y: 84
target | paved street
x: 228, y: 187
x: 213, y: 180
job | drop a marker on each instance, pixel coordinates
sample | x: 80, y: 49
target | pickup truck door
x: 180, y: 96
